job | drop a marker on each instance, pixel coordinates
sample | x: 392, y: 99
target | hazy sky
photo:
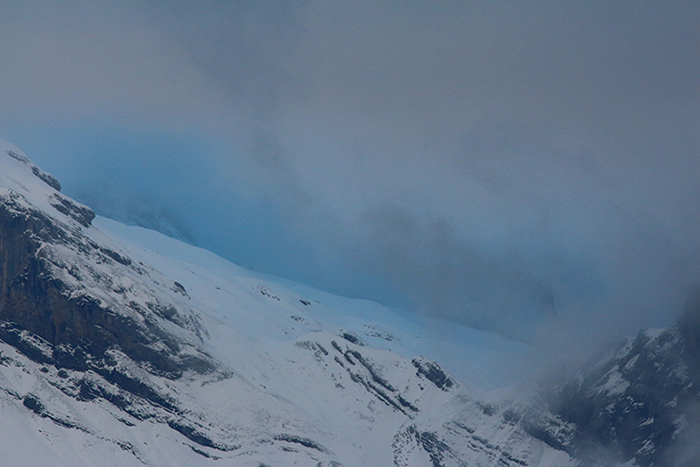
x: 531, y: 168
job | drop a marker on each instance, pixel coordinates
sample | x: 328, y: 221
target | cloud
x: 505, y: 165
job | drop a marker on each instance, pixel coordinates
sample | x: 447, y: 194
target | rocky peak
x: 632, y: 405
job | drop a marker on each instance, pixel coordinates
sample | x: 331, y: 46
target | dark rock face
x: 550, y: 429
x: 363, y: 372
x: 32, y: 403
x: 433, y: 372
x: 80, y: 213
x: 33, y: 299
x: 633, y: 405
x: 54, y: 321
x: 430, y: 442
x: 62, y: 305
x: 45, y: 177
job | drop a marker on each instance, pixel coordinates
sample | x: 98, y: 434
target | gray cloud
x: 515, y: 166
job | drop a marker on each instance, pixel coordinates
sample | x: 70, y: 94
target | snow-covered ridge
x: 484, y: 359
x: 140, y: 349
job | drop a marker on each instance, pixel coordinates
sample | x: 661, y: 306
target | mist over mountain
x: 121, y: 344
x: 536, y: 165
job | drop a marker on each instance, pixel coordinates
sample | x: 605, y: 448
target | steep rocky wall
x: 632, y: 405
x: 34, y: 299
x: 17, y: 246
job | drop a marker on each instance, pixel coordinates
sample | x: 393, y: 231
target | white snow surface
x: 289, y: 390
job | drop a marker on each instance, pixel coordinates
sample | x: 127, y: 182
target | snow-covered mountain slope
x: 483, y: 359
x: 640, y: 400
x: 120, y: 346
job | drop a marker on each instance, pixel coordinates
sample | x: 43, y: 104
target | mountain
x: 640, y: 399
x: 120, y: 346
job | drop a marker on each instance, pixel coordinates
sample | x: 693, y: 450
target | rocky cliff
x: 639, y: 399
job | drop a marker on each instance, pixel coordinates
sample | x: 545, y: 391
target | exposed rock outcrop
x: 75, y: 304
x: 49, y: 179
x: 35, y: 297
x: 634, y: 404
